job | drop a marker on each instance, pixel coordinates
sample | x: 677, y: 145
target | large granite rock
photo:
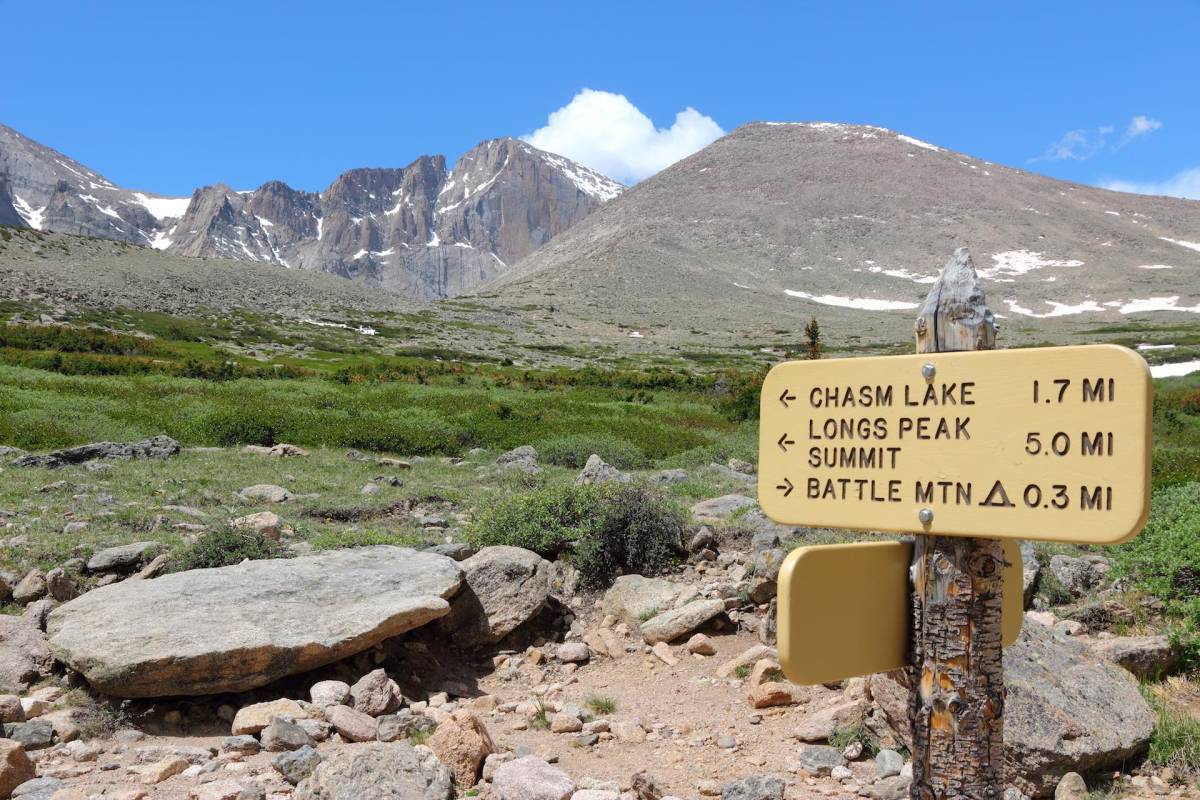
x: 1067, y: 710
x: 378, y: 771
x: 1147, y: 657
x: 502, y: 588
x: 634, y: 598
x: 24, y: 657
x: 239, y: 627
x: 154, y: 447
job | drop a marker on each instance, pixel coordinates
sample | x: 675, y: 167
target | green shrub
x: 606, y: 529
x: 225, y: 546
x: 601, y: 705
x: 573, y: 451
x: 639, y: 531
x: 1175, y: 465
x: 1164, y: 559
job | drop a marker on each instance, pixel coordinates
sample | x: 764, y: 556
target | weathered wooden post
x: 956, y: 705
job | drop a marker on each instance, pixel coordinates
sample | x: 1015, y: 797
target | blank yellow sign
x: 1046, y: 443
x: 844, y: 609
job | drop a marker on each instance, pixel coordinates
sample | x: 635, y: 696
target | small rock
x: 264, y: 493
x: 701, y: 645
x: 329, y: 693
x: 629, y: 731
x: 265, y: 523
x: 15, y: 766
x: 461, y: 743
x: 663, y: 651
x: 297, y: 765
x: 159, y: 771
x: 60, y: 586
x: 35, y: 734
x: 353, y: 726
x: 565, y: 723
x: 680, y: 622
x: 244, y: 744
x: 818, y: 759
x: 767, y: 695
x: 531, y: 778
x: 31, y: 587
x: 597, y: 471
x: 1071, y: 787
x: 755, y: 787
x: 124, y: 558
x: 253, y: 718
x: 284, y: 735
x: 573, y: 652
x: 888, y: 763
x: 726, y: 742
x: 376, y: 694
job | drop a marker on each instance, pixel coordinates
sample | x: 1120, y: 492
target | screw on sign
x: 970, y: 448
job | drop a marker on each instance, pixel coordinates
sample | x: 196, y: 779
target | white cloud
x: 1184, y: 184
x: 1082, y: 143
x: 1077, y: 145
x: 606, y: 132
x: 1140, y: 126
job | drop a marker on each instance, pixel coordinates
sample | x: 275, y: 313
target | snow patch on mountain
x: 33, y: 216
x: 1189, y: 245
x: 162, y: 207
x: 860, y: 303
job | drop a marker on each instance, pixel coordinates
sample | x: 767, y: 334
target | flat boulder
x: 634, y: 598
x: 239, y: 627
x: 721, y: 508
x: 672, y: 625
x: 122, y: 558
x: 502, y: 587
x: 154, y: 447
x: 377, y: 771
x: 1148, y: 657
x: 25, y: 659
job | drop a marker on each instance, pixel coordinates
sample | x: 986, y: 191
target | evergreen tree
x: 812, y: 336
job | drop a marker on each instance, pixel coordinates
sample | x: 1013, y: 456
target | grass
x: 855, y: 732
x: 601, y: 705
x: 742, y: 671
x: 1176, y: 739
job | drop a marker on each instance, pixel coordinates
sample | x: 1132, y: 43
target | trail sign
x: 1046, y: 443
x: 844, y: 609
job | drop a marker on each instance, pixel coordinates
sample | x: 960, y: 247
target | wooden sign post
x: 970, y: 449
x: 956, y: 699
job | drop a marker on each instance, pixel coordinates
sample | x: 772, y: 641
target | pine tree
x: 812, y: 335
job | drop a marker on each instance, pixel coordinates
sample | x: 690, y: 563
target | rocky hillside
x: 777, y: 222
x: 420, y: 231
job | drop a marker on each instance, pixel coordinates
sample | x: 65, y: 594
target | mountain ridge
x: 421, y: 230
x: 776, y: 222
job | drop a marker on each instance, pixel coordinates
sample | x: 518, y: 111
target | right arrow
x: 785, y: 397
x: 785, y: 487
x: 784, y: 441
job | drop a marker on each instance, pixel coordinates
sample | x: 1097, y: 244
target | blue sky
x: 167, y: 97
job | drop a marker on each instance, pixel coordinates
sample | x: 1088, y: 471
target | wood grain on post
x: 956, y: 704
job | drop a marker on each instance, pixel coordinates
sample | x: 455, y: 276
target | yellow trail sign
x: 1047, y: 443
x: 843, y: 609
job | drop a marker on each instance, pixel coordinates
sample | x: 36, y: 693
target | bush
x: 606, y: 529
x: 223, y: 547
x: 1164, y: 559
x: 573, y: 450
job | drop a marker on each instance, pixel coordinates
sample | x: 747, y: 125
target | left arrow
x: 785, y: 487
x: 784, y: 442
x: 786, y: 396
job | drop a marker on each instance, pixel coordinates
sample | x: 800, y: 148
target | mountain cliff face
x: 420, y: 230
x: 51, y: 192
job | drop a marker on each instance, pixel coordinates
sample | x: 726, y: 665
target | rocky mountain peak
x: 419, y: 230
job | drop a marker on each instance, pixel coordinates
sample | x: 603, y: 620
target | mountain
x: 50, y: 191
x: 419, y: 231
x: 776, y: 223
